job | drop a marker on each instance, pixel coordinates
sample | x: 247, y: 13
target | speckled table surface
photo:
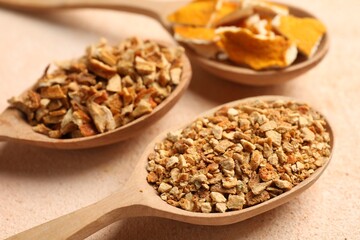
x: 37, y: 184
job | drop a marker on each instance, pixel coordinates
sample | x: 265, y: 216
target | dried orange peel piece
x: 229, y: 11
x: 201, y: 40
x: 256, y: 33
x: 258, y: 52
x: 258, y: 25
x: 305, y: 32
x: 207, y: 13
x: 196, y: 13
x: 200, y: 34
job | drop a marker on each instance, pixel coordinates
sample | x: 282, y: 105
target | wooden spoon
x: 138, y: 198
x: 267, y: 77
x: 13, y: 126
x: 160, y: 9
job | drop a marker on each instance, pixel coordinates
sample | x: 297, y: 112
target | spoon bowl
x: 138, y: 198
x: 222, y: 69
x: 14, y: 128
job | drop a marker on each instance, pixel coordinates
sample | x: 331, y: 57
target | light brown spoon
x: 138, y: 198
x: 160, y: 9
x: 13, y: 126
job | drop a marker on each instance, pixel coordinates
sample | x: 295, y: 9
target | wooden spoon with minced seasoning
x: 14, y: 127
x: 160, y: 9
x: 138, y: 198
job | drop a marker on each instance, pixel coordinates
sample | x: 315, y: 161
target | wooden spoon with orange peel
x: 160, y: 9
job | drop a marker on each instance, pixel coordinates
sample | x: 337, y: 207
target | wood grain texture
x: 138, y: 198
x: 38, y: 185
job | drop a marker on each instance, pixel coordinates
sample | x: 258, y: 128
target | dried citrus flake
x: 259, y: 25
x: 195, y: 13
x: 202, y: 40
x: 208, y: 13
x: 258, y: 52
x: 258, y: 33
x: 305, y: 32
x: 269, y: 8
x: 223, y: 11
x: 194, y: 33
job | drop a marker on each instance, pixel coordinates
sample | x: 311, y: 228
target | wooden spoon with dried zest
x: 14, y: 128
x: 138, y: 198
x: 160, y: 9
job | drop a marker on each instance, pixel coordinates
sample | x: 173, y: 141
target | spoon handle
x: 88, y: 220
x: 157, y: 9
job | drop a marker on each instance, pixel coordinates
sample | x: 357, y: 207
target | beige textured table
x: 37, y: 185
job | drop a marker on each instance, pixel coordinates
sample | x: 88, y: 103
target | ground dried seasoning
x: 106, y: 88
x: 239, y: 157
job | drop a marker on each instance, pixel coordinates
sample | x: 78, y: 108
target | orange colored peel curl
x: 243, y: 47
x: 305, y: 32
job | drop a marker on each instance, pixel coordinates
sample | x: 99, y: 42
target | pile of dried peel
x: 254, y: 33
x: 108, y: 87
